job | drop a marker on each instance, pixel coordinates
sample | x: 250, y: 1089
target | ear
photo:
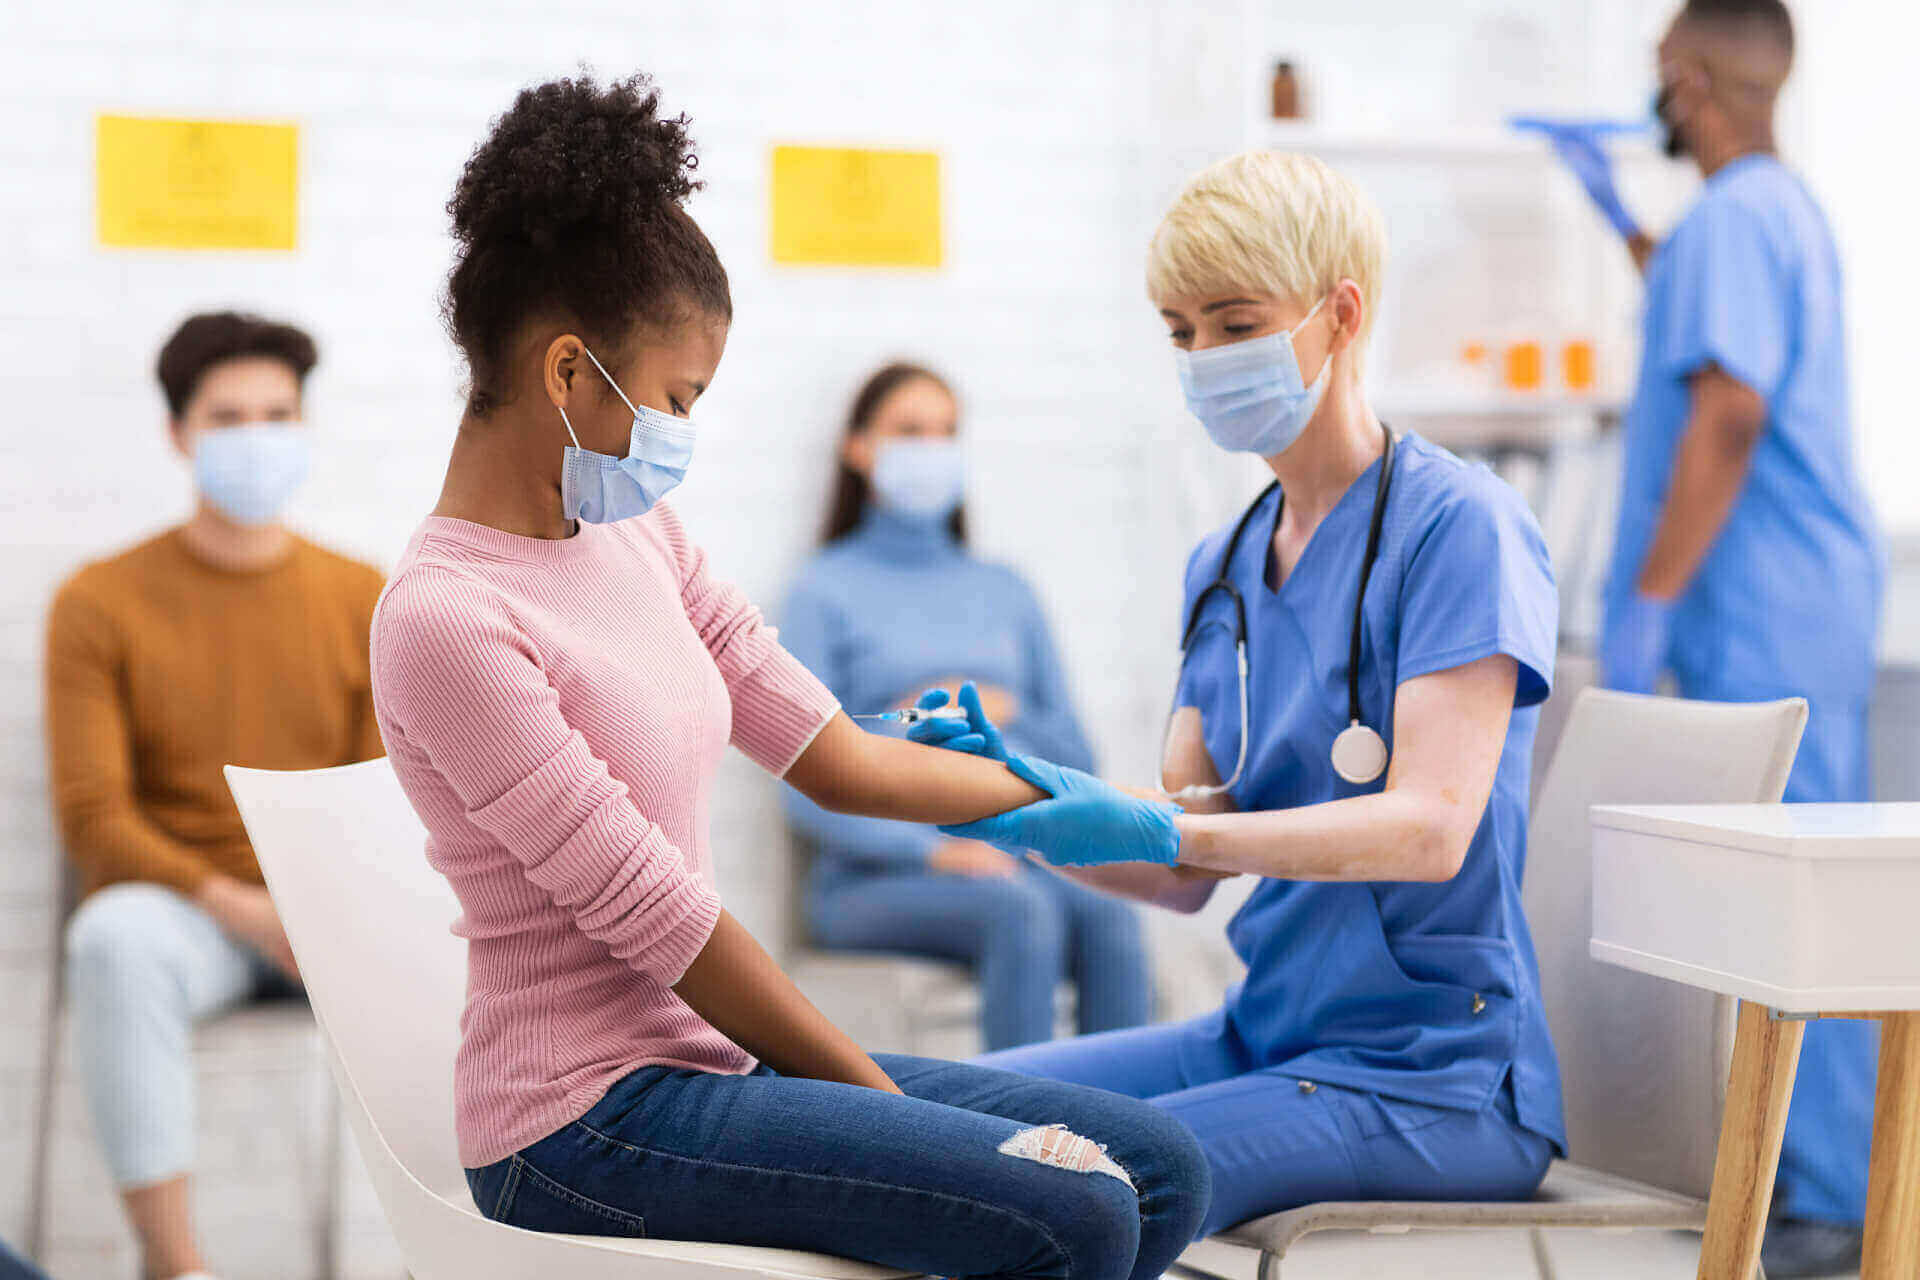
x: 560, y: 367
x: 177, y: 434
x: 858, y: 450
x: 1349, y: 308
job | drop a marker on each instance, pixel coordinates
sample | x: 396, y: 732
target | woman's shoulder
x: 1432, y: 485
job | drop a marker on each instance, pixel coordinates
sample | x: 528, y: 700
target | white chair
x: 1642, y: 1061
x: 370, y: 923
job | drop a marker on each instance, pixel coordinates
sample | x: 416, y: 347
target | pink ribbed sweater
x: 555, y: 711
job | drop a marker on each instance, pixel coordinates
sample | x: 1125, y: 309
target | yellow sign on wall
x: 850, y: 207
x: 196, y: 184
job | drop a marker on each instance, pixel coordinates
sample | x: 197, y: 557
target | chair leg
x: 49, y: 1083
x: 1892, y: 1247
x: 1766, y: 1052
x: 326, y: 1251
x: 1542, y: 1258
x: 1269, y: 1266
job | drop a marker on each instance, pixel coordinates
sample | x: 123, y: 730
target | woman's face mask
x: 1250, y: 395
x: 599, y: 488
x: 925, y: 478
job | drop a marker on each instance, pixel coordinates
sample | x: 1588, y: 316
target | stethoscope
x: 1359, y: 752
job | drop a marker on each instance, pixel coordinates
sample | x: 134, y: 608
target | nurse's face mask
x: 1250, y: 395
x: 599, y: 488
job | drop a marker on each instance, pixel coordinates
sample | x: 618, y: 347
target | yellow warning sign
x: 850, y: 207
x: 196, y: 184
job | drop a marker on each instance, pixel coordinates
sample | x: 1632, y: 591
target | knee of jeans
x: 1092, y: 1219
x: 110, y: 935
x: 1020, y: 916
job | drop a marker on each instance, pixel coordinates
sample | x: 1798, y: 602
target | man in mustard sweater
x: 226, y: 640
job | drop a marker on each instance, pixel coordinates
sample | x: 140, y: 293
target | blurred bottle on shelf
x: 1287, y: 98
x: 1578, y: 372
x: 1523, y: 367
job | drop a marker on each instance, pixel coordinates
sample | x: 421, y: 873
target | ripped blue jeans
x: 974, y: 1172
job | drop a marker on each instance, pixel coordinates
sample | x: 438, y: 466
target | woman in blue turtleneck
x: 892, y: 605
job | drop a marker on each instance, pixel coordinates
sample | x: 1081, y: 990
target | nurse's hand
x: 1084, y: 822
x: 1580, y: 144
x: 976, y: 735
x: 1633, y: 644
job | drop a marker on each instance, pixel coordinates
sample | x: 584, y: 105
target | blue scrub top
x: 1373, y: 985
x: 1788, y: 598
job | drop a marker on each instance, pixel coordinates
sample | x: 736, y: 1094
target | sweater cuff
x: 672, y: 953
x: 779, y: 708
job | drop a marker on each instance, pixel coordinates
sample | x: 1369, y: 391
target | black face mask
x: 1671, y: 140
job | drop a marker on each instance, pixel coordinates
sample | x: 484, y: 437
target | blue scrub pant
x: 1823, y: 1159
x: 1274, y: 1141
x: 1021, y: 935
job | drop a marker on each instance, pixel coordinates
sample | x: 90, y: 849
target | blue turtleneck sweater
x: 892, y: 606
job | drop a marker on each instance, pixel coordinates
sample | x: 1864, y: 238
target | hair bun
x: 570, y: 157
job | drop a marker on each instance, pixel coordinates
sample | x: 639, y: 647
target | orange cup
x: 1523, y: 366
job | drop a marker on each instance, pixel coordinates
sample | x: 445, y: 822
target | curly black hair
x: 573, y: 205
x: 214, y: 337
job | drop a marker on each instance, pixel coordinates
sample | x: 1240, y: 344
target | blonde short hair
x: 1269, y: 221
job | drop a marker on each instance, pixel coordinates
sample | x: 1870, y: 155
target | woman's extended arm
x: 1449, y: 731
x: 852, y: 771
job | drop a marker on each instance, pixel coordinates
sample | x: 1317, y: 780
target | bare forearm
x: 1175, y: 888
x: 1709, y: 471
x: 1392, y: 835
x: 735, y: 985
x: 852, y: 771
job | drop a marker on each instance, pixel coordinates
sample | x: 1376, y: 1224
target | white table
x: 1800, y: 911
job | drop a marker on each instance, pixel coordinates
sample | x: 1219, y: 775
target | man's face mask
x: 1671, y: 139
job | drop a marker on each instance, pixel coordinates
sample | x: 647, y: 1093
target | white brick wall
x: 1065, y: 125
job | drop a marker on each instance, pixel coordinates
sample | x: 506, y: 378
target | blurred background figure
x: 228, y: 639
x: 14, y: 1267
x: 894, y: 603
x: 1746, y: 560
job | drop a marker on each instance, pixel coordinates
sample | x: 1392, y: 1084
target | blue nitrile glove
x: 975, y: 735
x: 1633, y: 643
x: 1084, y: 823
x: 1580, y: 144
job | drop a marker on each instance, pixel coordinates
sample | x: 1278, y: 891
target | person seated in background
x: 895, y: 602
x: 228, y: 639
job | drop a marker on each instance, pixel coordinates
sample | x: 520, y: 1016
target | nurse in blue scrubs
x: 1397, y: 616
x: 1746, y: 561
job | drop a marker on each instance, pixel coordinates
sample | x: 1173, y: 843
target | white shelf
x: 1414, y: 403
x: 1505, y: 146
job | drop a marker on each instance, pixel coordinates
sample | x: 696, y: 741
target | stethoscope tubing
x: 1222, y: 583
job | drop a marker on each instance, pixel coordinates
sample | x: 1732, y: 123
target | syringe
x: 914, y: 715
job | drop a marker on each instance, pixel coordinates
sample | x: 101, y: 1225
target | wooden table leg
x: 1765, y: 1054
x: 1892, y: 1250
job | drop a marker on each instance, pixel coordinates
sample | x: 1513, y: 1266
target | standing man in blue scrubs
x: 1746, y: 560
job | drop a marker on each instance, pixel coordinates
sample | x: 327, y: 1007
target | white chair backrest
x: 1642, y: 1061
x: 370, y: 923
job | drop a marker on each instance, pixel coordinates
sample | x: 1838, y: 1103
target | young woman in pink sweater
x: 557, y: 675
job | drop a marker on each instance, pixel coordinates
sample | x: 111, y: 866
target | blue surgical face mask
x: 600, y: 489
x: 249, y: 473
x: 923, y: 478
x: 1249, y: 395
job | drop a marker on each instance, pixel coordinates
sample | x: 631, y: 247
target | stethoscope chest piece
x: 1359, y: 754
